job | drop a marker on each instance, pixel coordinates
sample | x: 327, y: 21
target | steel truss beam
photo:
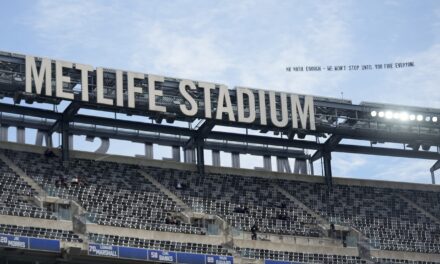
x: 329, y: 145
x: 340, y: 118
x: 378, y: 151
x: 214, y: 135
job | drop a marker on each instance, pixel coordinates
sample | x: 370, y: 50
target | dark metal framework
x: 336, y: 120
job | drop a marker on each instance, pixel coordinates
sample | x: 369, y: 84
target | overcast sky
x: 250, y: 43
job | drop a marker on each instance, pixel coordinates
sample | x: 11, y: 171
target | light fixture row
x: 403, y: 116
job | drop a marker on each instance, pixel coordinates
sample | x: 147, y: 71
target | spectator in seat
x: 48, y: 153
x: 241, y: 209
x: 61, y: 182
x: 344, y: 239
x: 83, y: 182
x: 283, y: 216
x: 254, y: 230
x: 246, y: 210
x: 168, y: 220
x: 283, y: 205
x: 332, y: 231
x: 74, y: 181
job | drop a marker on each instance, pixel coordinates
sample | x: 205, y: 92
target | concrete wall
x: 36, y: 222
x: 82, y: 246
x: 405, y: 255
x: 157, y: 235
x: 292, y: 240
x: 306, y: 248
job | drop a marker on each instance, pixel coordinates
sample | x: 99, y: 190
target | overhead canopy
x: 299, y: 122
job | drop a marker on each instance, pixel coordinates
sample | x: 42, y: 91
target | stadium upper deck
x: 76, y: 207
x: 95, y: 200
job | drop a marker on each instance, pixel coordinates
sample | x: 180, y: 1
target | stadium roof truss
x: 335, y: 120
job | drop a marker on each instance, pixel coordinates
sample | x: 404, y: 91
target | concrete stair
x: 292, y: 198
x: 165, y: 190
x: 23, y: 175
x: 420, y: 209
x: 42, y: 196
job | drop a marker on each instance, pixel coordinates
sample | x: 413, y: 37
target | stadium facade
x: 67, y: 206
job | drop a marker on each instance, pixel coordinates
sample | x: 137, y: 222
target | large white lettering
x: 131, y: 76
x: 39, y: 77
x: 61, y: 79
x: 307, y: 111
x: 100, y: 99
x: 85, y: 69
x: 153, y: 93
x: 241, y: 108
x: 192, y: 102
x: 246, y: 105
x: 224, y: 104
x: 207, y: 87
x: 283, y: 109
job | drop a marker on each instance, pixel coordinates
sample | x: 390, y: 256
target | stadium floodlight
x: 419, y: 117
x: 404, y: 116
x: 388, y: 114
x: 412, y: 117
x: 428, y: 118
x: 434, y: 119
x: 373, y: 113
x: 381, y: 114
x: 396, y: 115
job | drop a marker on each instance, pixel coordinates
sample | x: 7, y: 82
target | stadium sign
x: 103, y: 250
x: 162, y: 256
x: 33, y: 243
x: 14, y: 241
x: 219, y: 260
x: 155, y: 255
x: 243, y: 105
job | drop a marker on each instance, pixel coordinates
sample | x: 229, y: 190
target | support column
x: 328, y: 168
x: 434, y: 167
x: 200, y: 158
x: 189, y: 155
x: 283, y: 165
x: 43, y: 136
x: 4, y: 133
x: 21, y: 138
x: 65, y: 140
x: 70, y: 141
x: 148, y: 151
x: 235, y: 156
x: 49, y: 140
x: 149, y: 154
x: 300, y: 166
x: 267, y: 162
x: 176, y: 153
x: 216, y: 158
